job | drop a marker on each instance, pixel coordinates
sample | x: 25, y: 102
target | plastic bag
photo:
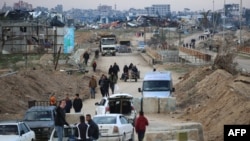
x: 116, y: 87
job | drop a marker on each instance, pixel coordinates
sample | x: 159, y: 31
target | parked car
x: 114, y: 127
x: 156, y: 32
x: 141, y: 46
x: 117, y: 104
x: 16, y: 131
x: 41, y: 120
x: 70, y: 133
x: 124, y: 49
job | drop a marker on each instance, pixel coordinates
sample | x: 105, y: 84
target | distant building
x: 104, y: 9
x: 159, y: 10
x: 6, y: 8
x: 59, y: 8
x: 22, y: 5
x: 231, y: 10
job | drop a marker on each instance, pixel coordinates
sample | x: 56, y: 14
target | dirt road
x: 157, y: 121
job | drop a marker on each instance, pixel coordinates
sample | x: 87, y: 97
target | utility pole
x: 213, y: 18
x: 224, y: 19
x: 240, y: 21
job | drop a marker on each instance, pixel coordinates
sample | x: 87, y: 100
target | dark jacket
x: 86, y: 56
x: 112, y: 79
x: 125, y: 69
x: 93, y: 131
x: 77, y: 104
x: 111, y: 70
x: 60, y: 117
x: 116, y: 69
x: 68, y: 106
x: 82, y: 131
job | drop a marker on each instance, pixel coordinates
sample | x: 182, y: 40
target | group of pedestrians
x: 76, y: 103
x: 131, y: 68
x: 87, y: 130
x: 105, y: 82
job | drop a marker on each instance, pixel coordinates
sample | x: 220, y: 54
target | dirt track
x: 157, y: 121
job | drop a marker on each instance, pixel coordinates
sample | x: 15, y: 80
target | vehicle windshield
x: 108, y: 41
x: 38, y: 116
x: 156, y: 85
x: 8, y: 130
x: 109, y: 48
x: 105, y: 120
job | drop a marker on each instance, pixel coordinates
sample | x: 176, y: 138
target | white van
x: 157, y: 84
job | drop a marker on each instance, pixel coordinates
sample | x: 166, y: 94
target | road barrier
x: 155, y: 105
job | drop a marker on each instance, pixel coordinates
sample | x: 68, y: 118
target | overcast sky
x: 176, y: 5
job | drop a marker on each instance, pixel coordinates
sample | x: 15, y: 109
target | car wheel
x: 123, y: 137
x: 132, y: 136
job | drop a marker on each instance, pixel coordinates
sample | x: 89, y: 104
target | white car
x: 16, y: 131
x: 117, y: 104
x: 141, y: 46
x: 114, y: 127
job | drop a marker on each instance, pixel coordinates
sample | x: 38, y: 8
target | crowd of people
x: 88, y: 130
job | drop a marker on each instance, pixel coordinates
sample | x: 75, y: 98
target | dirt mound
x: 38, y: 84
x: 214, y: 98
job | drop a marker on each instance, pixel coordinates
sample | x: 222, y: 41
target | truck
x: 108, y: 45
x: 125, y: 47
x: 157, y: 84
x: 40, y: 119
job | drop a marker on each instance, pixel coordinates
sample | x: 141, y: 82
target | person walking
x: 140, y: 126
x: 82, y: 129
x: 101, y: 84
x: 112, y: 82
x: 94, y: 66
x: 93, y: 131
x: 52, y: 100
x: 77, y: 104
x: 116, y: 69
x: 86, y: 57
x: 60, y: 120
x: 106, y: 86
x: 110, y: 69
x: 92, y: 86
x: 68, y: 104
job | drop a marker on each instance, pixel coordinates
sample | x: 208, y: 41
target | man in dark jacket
x: 68, y: 104
x: 140, y: 126
x: 101, y: 84
x: 106, y: 86
x: 116, y: 69
x: 112, y: 82
x: 82, y: 129
x: 86, y: 57
x: 93, y: 131
x: 60, y: 119
x: 110, y: 69
x: 77, y: 104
